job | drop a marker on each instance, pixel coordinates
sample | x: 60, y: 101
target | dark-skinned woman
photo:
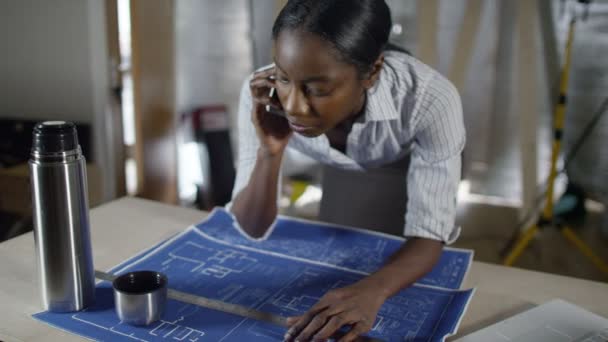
x: 361, y: 107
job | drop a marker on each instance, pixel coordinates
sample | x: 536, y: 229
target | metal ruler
x: 230, y: 308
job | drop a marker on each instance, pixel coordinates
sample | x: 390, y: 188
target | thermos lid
x: 54, y: 137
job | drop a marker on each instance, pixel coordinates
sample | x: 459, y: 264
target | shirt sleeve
x: 435, y: 165
x: 248, y: 145
x: 248, y: 142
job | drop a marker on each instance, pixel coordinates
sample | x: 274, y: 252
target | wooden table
x: 126, y: 226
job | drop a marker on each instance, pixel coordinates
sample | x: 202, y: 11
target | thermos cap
x: 54, y: 137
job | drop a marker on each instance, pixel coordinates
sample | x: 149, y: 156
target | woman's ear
x: 373, y: 75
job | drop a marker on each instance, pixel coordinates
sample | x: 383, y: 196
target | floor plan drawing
x: 255, y: 275
x: 353, y: 248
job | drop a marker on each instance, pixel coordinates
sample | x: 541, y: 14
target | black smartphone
x: 276, y: 110
x: 273, y: 109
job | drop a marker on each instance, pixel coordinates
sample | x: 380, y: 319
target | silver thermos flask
x: 61, y: 218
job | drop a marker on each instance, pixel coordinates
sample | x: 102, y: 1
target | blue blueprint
x: 356, y: 249
x: 277, y: 275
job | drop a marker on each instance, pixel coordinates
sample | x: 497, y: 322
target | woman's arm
x: 358, y: 304
x: 415, y: 258
x: 255, y: 207
x: 432, y: 185
x: 262, y: 142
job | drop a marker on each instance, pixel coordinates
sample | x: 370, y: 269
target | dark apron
x: 373, y: 199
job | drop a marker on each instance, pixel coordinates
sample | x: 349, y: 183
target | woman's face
x: 316, y: 90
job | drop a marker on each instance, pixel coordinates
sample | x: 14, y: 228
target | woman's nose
x: 295, y: 104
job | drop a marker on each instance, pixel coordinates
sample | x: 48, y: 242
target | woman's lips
x: 300, y: 128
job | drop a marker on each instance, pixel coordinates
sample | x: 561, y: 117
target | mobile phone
x: 274, y: 109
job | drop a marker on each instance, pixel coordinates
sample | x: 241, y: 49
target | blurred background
x: 153, y: 86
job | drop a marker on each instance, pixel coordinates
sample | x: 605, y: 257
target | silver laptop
x: 555, y: 321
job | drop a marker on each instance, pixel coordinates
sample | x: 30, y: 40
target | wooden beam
x: 465, y: 43
x: 527, y: 98
x: 153, y: 54
x: 428, y: 26
x: 115, y: 110
x: 551, y: 56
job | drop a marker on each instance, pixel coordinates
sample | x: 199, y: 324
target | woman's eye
x: 317, y: 92
x: 283, y: 80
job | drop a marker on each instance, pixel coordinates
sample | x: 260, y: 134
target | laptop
x: 555, y: 321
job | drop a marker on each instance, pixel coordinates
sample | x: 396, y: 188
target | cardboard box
x: 16, y: 193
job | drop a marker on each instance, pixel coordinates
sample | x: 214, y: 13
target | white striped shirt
x: 411, y: 109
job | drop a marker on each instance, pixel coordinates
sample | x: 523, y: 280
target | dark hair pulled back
x: 357, y: 29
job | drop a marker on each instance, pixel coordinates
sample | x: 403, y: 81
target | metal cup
x: 140, y: 296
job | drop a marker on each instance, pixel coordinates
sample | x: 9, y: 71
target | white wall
x: 213, y: 52
x: 262, y: 14
x: 45, y: 60
x: 213, y: 56
x: 54, y: 65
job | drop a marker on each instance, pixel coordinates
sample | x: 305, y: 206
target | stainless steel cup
x: 140, y: 296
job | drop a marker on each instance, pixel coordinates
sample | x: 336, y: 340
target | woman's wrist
x: 381, y: 285
x: 269, y: 154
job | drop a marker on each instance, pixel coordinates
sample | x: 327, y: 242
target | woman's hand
x: 356, y: 306
x: 273, y: 130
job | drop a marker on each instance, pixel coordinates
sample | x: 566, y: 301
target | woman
x: 354, y: 104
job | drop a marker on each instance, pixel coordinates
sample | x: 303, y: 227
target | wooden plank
x: 527, y: 95
x: 153, y: 54
x: 465, y: 44
x: 116, y: 129
x: 428, y: 26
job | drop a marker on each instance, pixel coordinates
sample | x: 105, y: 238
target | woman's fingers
x: 262, y: 91
x: 293, y: 320
x: 267, y: 72
x: 260, y: 87
x: 349, y: 306
x: 297, y: 324
x: 270, y: 125
x: 315, y: 319
x: 356, y: 330
x: 334, y: 324
x: 300, y: 322
x: 314, y: 325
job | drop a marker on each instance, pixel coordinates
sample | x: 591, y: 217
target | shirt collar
x: 380, y: 104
